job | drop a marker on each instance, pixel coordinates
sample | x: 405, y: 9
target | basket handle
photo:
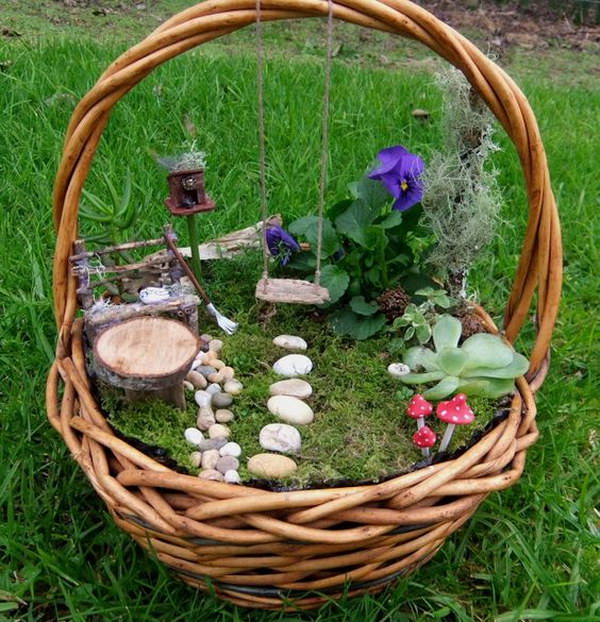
x: 540, y: 264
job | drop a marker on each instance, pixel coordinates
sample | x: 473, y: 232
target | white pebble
x: 397, y: 370
x: 193, y: 436
x: 233, y: 387
x: 217, y: 364
x: 231, y: 449
x: 280, y: 437
x: 290, y: 342
x: 293, y: 365
x: 188, y: 386
x: 232, y: 477
x: 202, y: 398
x: 294, y: 387
x: 206, y: 337
x: 153, y: 295
x: 290, y: 409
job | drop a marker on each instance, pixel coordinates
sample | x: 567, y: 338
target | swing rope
x: 325, y: 139
x: 261, y: 135
x: 324, y: 160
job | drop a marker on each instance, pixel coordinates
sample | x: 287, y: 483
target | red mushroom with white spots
x: 418, y: 408
x: 454, y: 412
x: 424, y: 438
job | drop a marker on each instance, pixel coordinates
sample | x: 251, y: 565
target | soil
x: 498, y: 26
x: 511, y: 24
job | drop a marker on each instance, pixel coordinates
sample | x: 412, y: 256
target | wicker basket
x: 274, y: 549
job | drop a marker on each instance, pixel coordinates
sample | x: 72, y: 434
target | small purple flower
x: 400, y: 173
x: 281, y: 244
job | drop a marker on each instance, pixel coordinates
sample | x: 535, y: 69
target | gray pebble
x: 221, y: 400
x: 227, y: 463
x: 212, y: 443
x: 213, y: 388
x: 205, y: 370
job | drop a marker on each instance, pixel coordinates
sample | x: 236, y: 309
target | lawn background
x: 530, y: 552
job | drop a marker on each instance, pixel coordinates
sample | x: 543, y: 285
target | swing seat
x: 294, y: 291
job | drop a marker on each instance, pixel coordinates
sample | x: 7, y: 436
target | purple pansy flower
x: 400, y: 173
x: 281, y: 244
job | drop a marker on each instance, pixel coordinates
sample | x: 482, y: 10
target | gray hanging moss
x: 462, y: 200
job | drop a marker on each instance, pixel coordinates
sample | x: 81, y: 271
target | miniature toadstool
x: 419, y: 408
x: 454, y: 412
x: 424, y: 438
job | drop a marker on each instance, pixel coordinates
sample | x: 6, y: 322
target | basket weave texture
x: 276, y: 550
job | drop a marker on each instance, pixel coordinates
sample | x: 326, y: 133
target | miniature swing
x: 294, y: 291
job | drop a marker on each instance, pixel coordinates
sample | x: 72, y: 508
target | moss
x: 360, y: 431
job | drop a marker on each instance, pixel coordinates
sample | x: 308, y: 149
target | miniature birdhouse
x: 187, y: 195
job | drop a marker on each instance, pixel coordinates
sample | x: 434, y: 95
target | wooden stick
x: 115, y: 249
x: 184, y: 265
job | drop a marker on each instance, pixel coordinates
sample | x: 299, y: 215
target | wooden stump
x: 148, y: 357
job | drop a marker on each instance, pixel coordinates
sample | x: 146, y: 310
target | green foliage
x: 367, y: 248
x: 484, y: 365
x: 111, y: 220
x: 417, y: 321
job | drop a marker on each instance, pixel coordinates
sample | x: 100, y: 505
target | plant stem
x: 193, y: 235
x: 447, y: 436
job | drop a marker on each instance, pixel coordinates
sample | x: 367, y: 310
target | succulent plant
x: 484, y: 365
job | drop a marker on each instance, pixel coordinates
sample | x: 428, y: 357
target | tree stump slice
x: 146, y: 356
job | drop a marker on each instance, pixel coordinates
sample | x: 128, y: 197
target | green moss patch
x: 360, y: 431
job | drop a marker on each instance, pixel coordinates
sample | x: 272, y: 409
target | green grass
x: 530, y: 552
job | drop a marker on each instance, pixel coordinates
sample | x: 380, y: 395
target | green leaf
x: 371, y: 191
x: 309, y: 228
x: 359, y: 305
x: 341, y: 206
x: 442, y: 389
x: 452, y: 360
x: 430, y: 376
x: 346, y: 322
x: 423, y: 333
x: 409, y: 333
x: 486, y: 350
x: 336, y: 280
x: 354, y: 222
x: 487, y: 387
x: 446, y: 332
x: 302, y: 262
x: 393, y: 219
x: 518, y: 366
x: 419, y: 357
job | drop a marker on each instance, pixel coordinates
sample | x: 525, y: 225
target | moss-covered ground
x: 360, y: 431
